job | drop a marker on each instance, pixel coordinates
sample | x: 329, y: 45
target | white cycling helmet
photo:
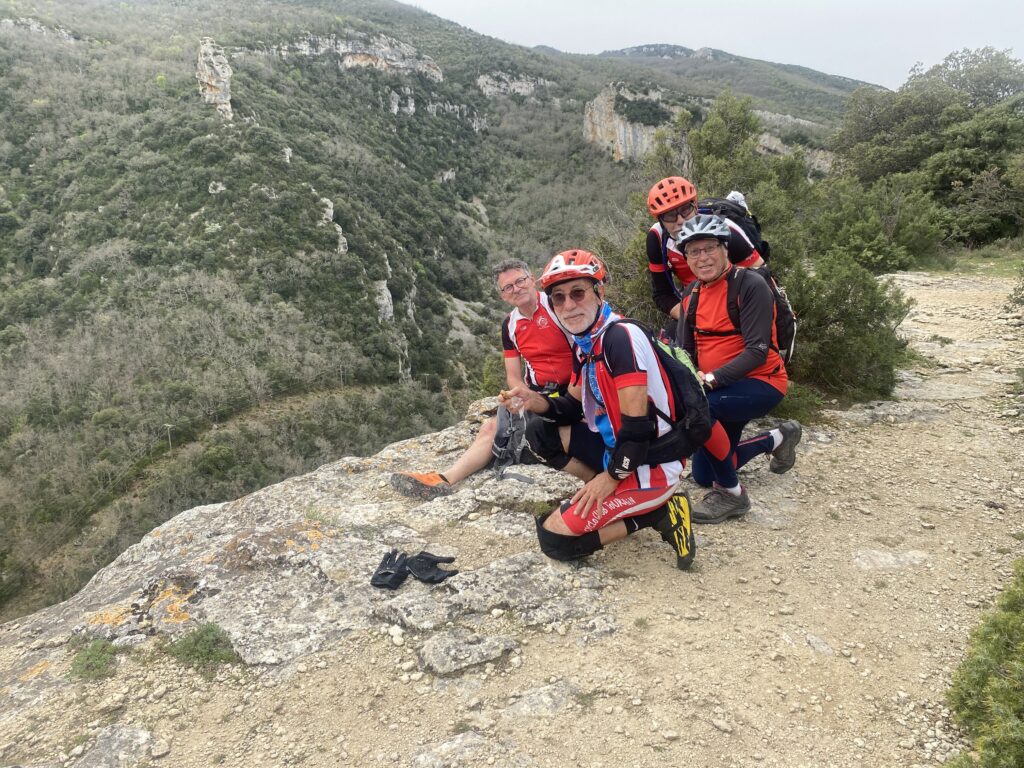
x: 702, y: 227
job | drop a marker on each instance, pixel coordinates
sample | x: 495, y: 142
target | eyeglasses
x: 519, y: 283
x: 576, y: 294
x: 693, y: 253
x: 684, y: 212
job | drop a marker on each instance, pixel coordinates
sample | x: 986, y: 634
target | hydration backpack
x: 785, y: 317
x: 692, y: 427
x: 509, y: 440
x: 738, y: 214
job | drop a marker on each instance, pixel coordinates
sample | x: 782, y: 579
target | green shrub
x: 206, y: 647
x: 1016, y: 298
x: 986, y: 695
x: 94, y: 661
x: 847, y: 340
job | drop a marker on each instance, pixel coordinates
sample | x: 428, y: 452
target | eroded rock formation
x: 214, y: 75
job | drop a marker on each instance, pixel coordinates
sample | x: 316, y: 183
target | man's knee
x: 489, y: 429
x: 559, y: 546
x: 545, y: 441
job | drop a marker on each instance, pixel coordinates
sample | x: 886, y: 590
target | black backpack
x: 738, y: 214
x: 693, y: 427
x: 785, y: 317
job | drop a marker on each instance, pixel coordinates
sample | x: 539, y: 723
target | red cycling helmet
x: 569, y: 265
x: 670, y: 193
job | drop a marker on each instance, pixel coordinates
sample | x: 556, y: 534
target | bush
x: 205, y: 648
x: 847, y: 340
x: 94, y: 661
x: 986, y: 692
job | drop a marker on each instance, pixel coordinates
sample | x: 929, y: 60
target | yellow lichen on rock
x: 34, y: 671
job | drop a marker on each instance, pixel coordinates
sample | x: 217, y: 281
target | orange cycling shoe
x: 422, y: 485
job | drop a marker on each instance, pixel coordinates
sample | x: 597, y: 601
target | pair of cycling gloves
x: 396, y: 567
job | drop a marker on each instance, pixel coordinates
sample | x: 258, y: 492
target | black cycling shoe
x: 676, y: 528
x: 784, y: 457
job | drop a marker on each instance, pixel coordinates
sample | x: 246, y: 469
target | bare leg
x: 476, y: 457
x: 575, y: 467
x: 608, y: 534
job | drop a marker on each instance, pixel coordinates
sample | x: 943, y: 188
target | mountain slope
x: 317, y: 220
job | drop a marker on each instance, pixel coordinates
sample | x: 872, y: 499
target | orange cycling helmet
x: 570, y: 265
x: 670, y: 193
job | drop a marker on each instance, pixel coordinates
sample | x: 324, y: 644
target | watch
x: 709, y: 380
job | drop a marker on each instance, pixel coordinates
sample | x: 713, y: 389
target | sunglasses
x: 576, y: 294
x: 683, y: 212
x: 519, y: 283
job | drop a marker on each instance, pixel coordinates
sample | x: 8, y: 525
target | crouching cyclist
x: 616, y: 387
x: 744, y: 375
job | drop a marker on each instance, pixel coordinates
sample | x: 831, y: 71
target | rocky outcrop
x: 357, y: 49
x: 503, y: 84
x: 820, y: 160
x: 214, y: 75
x: 606, y: 128
x: 327, y: 220
x: 37, y: 27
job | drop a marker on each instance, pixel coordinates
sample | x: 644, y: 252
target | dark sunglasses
x: 675, y: 214
x: 576, y: 294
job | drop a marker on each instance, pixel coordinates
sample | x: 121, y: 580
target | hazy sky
x: 864, y: 39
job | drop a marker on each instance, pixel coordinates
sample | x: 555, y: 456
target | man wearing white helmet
x: 743, y: 372
x: 617, y: 387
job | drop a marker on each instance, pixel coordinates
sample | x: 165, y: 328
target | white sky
x: 868, y: 40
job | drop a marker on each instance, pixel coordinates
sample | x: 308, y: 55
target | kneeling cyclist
x: 617, y: 384
x: 744, y: 375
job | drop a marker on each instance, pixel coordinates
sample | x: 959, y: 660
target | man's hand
x: 592, y: 495
x: 674, y: 312
x: 522, y: 397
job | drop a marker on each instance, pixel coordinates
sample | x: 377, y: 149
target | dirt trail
x: 821, y: 630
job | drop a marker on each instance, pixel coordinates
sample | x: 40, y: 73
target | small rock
x: 669, y: 735
x: 159, y: 748
x: 722, y: 725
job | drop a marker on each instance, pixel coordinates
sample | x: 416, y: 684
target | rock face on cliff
x: 606, y: 128
x: 357, y: 49
x: 504, y: 84
x: 214, y: 75
x: 37, y: 27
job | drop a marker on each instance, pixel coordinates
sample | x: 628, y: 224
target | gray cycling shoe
x: 784, y: 457
x: 718, y: 505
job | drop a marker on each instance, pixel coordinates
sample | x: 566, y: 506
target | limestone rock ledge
x: 285, y: 572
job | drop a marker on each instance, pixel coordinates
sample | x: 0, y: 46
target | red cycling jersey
x: 545, y: 348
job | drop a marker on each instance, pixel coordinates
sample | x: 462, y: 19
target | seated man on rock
x: 538, y: 357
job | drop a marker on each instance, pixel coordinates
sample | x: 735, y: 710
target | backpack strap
x: 663, y: 239
x: 731, y: 305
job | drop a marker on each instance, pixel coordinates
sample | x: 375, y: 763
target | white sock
x: 734, y: 491
x: 776, y: 438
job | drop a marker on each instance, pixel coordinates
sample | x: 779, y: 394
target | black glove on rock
x: 392, y: 571
x: 424, y: 567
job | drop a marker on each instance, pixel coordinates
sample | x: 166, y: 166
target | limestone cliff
x: 35, y: 26
x: 214, y: 75
x: 606, y: 128
x: 504, y: 84
x: 357, y: 49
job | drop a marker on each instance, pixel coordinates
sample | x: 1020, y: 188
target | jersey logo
x: 542, y: 322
